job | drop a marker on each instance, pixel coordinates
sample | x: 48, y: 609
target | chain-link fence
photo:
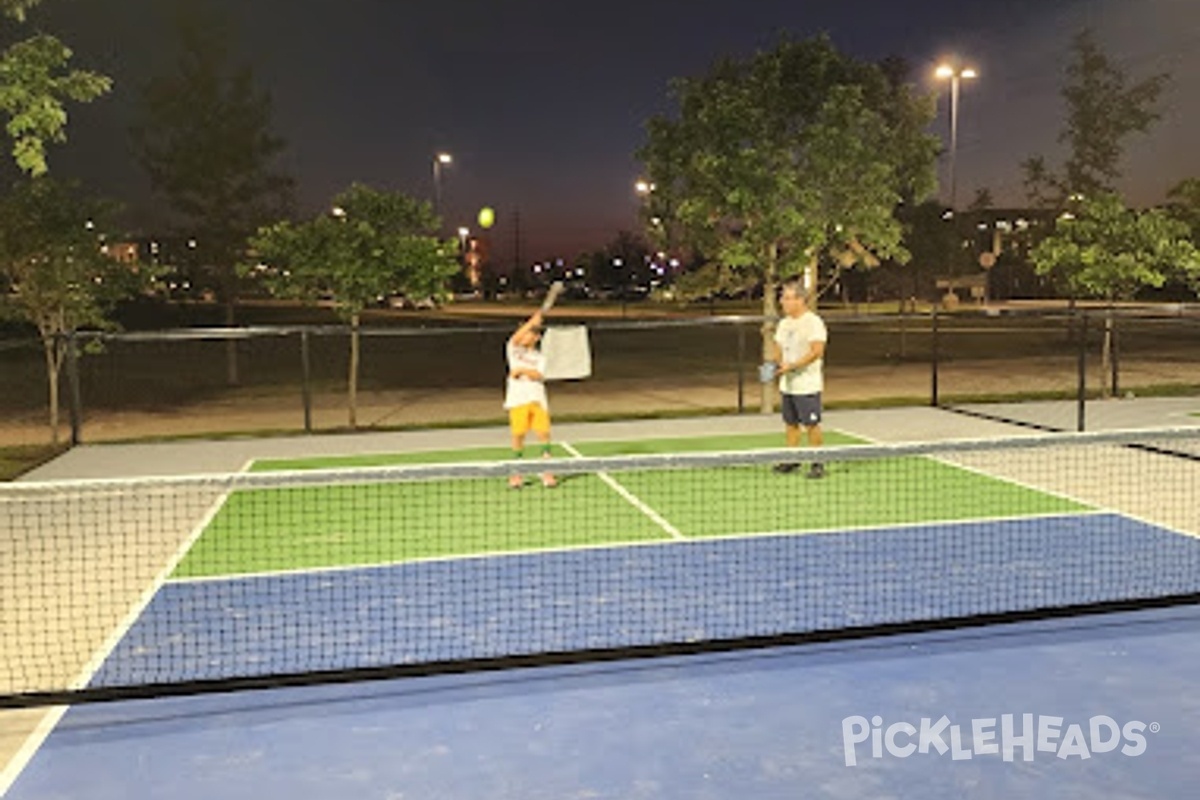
x: 1032, y: 366
x: 1055, y: 367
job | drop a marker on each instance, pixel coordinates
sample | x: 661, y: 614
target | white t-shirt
x: 520, y: 391
x: 795, y: 336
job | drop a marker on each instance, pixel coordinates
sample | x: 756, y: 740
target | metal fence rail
x: 991, y: 362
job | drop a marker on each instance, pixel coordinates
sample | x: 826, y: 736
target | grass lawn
x: 15, y: 461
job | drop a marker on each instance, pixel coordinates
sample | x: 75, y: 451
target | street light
x: 463, y: 233
x: 440, y: 160
x: 955, y: 74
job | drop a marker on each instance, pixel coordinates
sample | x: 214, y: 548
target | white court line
x: 631, y: 498
x: 33, y: 742
x: 53, y: 715
x: 640, y: 543
x: 1090, y: 504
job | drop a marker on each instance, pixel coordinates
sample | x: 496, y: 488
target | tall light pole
x: 955, y: 74
x: 440, y: 160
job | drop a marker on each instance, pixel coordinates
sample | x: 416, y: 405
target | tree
x: 61, y: 278
x: 35, y: 83
x: 775, y: 163
x: 982, y: 200
x: 204, y: 139
x: 376, y: 244
x: 1184, y: 205
x: 1103, y: 249
x: 933, y: 242
x: 1102, y: 111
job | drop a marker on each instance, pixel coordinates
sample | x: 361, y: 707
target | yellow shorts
x: 529, y: 417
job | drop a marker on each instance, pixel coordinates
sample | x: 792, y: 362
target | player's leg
x: 791, y: 423
x: 792, y: 435
x: 540, y: 423
x: 810, y: 415
x: 815, y: 437
x: 518, y: 424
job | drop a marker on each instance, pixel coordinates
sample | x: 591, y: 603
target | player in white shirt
x: 799, y: 354
x: 525, y: 394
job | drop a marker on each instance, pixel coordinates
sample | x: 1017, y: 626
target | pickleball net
x: 132, y: 588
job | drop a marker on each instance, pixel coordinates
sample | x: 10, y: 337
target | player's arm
x: 534, y: 321
x: 520, y: 335
x: 816, y: 350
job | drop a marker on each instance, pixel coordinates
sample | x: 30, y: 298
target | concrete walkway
x: 915, y: 423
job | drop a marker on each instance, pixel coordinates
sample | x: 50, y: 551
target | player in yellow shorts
x: 525, y: 394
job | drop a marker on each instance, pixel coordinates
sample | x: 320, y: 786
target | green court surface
x: 314, y: 527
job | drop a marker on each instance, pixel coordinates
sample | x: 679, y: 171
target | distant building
x: 998, y: 240
x: 1002, y: 230
x: 168, y: 255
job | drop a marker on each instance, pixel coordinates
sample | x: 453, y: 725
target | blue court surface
x: 628, y: 596
x: 1111, y: 702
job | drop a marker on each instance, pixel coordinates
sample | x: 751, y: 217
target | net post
x: 933, y: 359
x: 306, y: 381
x: 1081, y: 390
x: 75, y: 402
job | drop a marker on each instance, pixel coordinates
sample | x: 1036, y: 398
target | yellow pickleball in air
x: 487, y: 217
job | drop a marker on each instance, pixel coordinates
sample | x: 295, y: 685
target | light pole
x: 644, y: 189
x: 440, y: 160
x: 955, y: 74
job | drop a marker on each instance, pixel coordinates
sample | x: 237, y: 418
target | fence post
x: 74, y: 402
x: 1113, y: 357
x: 933, y: 360
x: 305, y: 381
x: 741, y: 356
x: 1081, y: 392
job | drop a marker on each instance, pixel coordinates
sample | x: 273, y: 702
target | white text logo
x: 989, y: 736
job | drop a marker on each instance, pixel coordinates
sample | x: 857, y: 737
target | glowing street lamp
x: 440, y: 160
x: 954, y: 74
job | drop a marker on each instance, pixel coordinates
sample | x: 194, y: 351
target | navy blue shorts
x: 801, y: 409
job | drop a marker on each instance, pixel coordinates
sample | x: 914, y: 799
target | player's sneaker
x: 816, y: 471
x: 515, y: 482
x: 786, y: 467
x: 549, y: 480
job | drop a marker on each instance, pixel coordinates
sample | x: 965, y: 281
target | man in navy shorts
x: 800, y: 358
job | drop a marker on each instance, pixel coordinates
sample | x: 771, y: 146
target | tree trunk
x: 353, y: 385
x: 52, y: 361
x: 231, y: 353
x: 810, y: 284
x: 770, y: 313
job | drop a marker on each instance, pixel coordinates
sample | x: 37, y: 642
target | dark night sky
x: 543, y: 103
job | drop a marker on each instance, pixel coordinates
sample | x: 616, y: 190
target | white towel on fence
x: 568, y: 354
